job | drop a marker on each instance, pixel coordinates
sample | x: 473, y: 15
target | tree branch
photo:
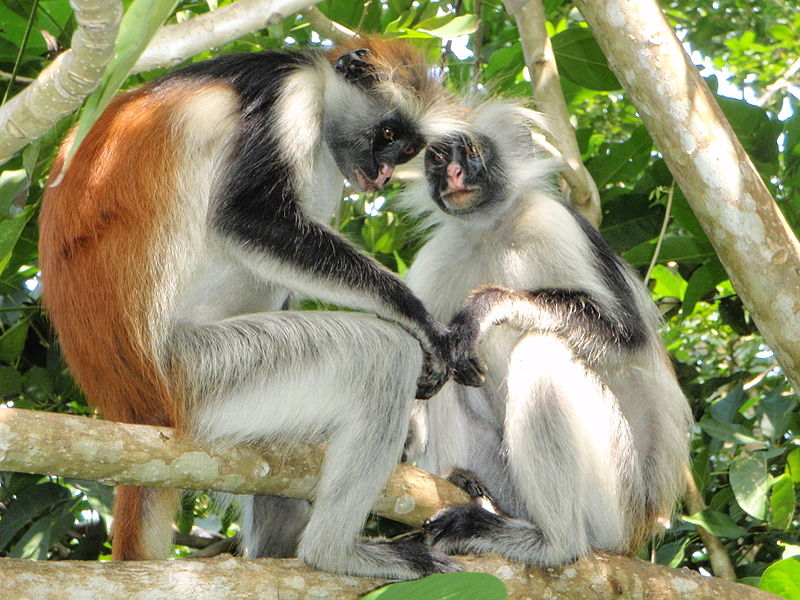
x: 549, y: 99
x: 338, y: 34
x: 114, y: 453
x: 65, y: 84
x: 745, y: 226
x: 602, y: 577
x: 717, y: 555
x: 174, y: 44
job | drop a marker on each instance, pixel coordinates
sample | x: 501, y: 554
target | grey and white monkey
x: 580, y: 430
x: 194, y: 207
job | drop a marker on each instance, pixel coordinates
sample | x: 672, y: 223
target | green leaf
x: 622, y: 159
x: 449, y: 27
x: 12, y: 341
x: 580, y: 60
x: 449, y: 586
x: 10, y: 382
x: 727, y: 432
x: 12, y: 184
x: 138, y: 25
x: 725, y: 409
x: 628, y: 220
x: 42, y: 535
x: 782, y: 502
x: 30, y: 503
x: 673, y: 248
x: 793, y: 465
x: 750, y: 483
x: 783, y: 578
x: 9, y: 234
x: 716, y: 523
x: 672, y: 554
x: 777, y: 409
x: 668, y: 284
x: 702, y: 282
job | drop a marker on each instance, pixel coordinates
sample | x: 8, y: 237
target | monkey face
x: 367, y: 155
x: 463, y: 174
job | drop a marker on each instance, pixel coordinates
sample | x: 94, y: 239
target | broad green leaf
x: 750, y: 483
x: 793, y: 465
x: 685, y: 217
x: 668, y: 284
x: 43, y: 534
x: 30, y: 503
x: 777, y: 409
x: 727, y: 432
x: 138, y: 25
x: 783, y: 578
x: 782, y: 502
x: 672, y: 554
x: 9, y: 234
x: 10, y: 382
x: 703, y: 281
x: 725, y: 409
x: 12, y: 183
x: 622, y: 159
x: 629, y: 220
x: 449, y: 27
x: 12, y: 341
x: 676, y: 248
x: 449, y: 586
x: 716, y: 523
x: 580, y: 60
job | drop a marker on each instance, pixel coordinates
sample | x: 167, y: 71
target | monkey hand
x: 468, y: 368
x: 435, y: 366
x: 355, y: 67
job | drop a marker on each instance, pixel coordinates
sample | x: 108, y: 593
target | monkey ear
x: 354, y: 68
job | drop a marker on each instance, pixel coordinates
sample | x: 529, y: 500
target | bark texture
x: 602, y: 577
x: 549, y: 99
x: 113, y: 453
x: 65, y: 84
x: 745, y: 226
x: 174, y: 44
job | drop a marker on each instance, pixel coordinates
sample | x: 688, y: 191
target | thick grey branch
x: 53, y: 444
x: 746, y: 227
x: 63, y: 86
x: 602, y: 577
x: 549, y: 99
x: 174, y: 44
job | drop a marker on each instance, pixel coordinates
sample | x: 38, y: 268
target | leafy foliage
x: 746, y: 453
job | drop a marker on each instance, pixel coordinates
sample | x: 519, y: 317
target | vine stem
x: 661, y: 234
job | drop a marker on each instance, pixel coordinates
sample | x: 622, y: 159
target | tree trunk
x: 745, y: 226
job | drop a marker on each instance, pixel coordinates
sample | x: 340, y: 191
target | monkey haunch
x: 196, y: 205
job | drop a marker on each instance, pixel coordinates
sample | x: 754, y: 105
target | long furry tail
x: 143, y: 522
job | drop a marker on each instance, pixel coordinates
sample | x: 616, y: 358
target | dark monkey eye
x: 473, y: 150
x: 437, y: 157
x: 388, y: 134
x: 409, y: 150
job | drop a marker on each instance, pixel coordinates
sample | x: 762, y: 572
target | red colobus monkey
x: 580, y: 431
x: 191, y: 211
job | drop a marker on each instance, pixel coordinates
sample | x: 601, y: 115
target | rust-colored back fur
x: 98, y: 237
x: 398, y: 62
x: 97, y: 234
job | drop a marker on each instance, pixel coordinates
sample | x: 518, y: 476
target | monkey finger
x: 470, y: 371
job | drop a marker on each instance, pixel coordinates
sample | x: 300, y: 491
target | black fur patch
x: 455, y: 527
x: 422, y: 560
x: 633, y: 331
